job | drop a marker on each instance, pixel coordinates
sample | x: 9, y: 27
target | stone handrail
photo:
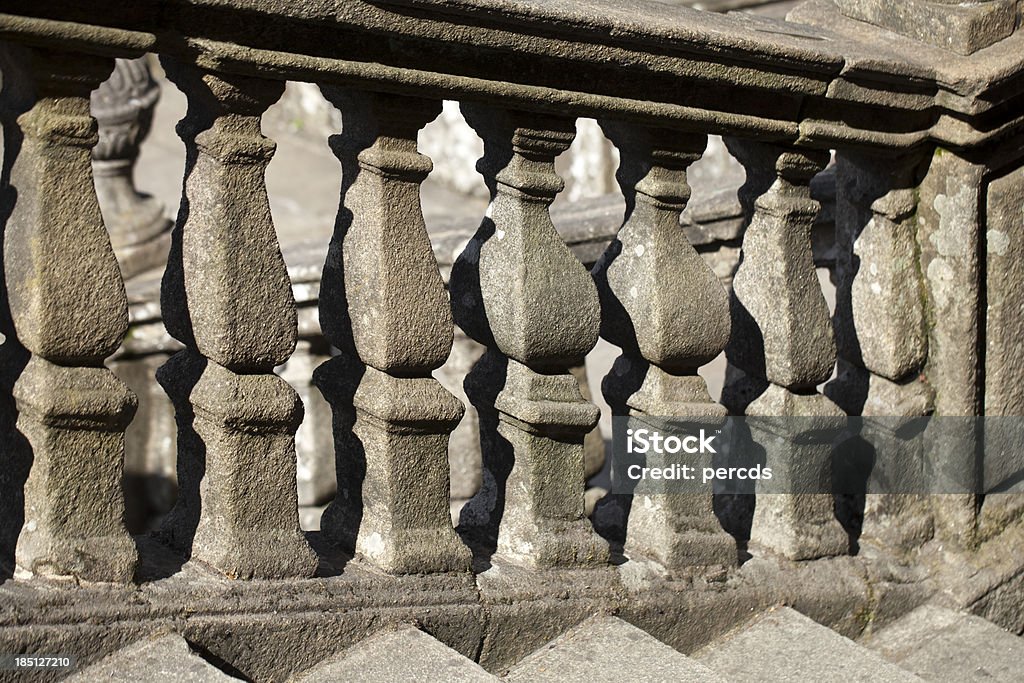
x: 830, y: 78
x: 659, y: 78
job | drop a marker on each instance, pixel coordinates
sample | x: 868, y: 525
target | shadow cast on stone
x: 338, y: 379
x: 611, y: 521
x: 481, y: 516
x: 745, y: 351
x: 142, y: 509
x: 17, y: 456
x: 735, y: 512
x: 216, y: 661
x: 16, y: 452
x: 178, y: 377
x: 735, y: 507
x: 466, y: 296
x: 853, y: 460
x: 332, y: 557
x: 174, y: 303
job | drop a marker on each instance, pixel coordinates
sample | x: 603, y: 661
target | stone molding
x: 834, y: 81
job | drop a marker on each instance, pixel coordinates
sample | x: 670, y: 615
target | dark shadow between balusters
x: 735, y: 509
x: 179, y: 375
x: 735, y: 506
x: 15, y: 451
x: 480, y: 518
x: 15, y: 455
x: 853, y: 459
x: 611, y: 513
x: 338, y: 379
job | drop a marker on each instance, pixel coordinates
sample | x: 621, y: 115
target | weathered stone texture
x: 782, y: 339
x: 961, y: 26
x: 69, y: 310
x: 950, y: 220
x: 938, y: 643
x: 1004, y: 296
x: 784, y: 645
x: 668, y: 312
x: 384, y: 305
x: 237, y: 502
x: 518, y: 289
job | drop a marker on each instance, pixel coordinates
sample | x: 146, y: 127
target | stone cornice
x: 827, y: 81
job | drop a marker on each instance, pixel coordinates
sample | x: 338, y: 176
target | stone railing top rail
x: 826, y: 81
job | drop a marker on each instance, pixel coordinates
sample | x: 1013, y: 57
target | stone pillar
x: 881, y: 334
x: 123, y: 105
x: 226, y: 295
x: 951, y: 225
x: 384, y: 306
x: 1004, y: 347
x: 518, y: 290
x: 69, y: 310
x: 782, y: 340
x: 667, y: 311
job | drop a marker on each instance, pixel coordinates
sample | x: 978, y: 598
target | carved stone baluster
x: 665, y: 308
x: 880, y: 327
x: 519, y: 290
x: 226, y: 295
x: 384, y: 305
x: 69, y: 310
x: 123, y: 105
x: 782, y: 339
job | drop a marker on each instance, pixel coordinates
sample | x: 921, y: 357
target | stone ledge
x: 270, y: 629
x: 827, y: 87
x: 963, y: 27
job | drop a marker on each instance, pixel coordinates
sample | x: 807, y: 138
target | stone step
x: 940, y: 644
x: 608, y: 650
x: 162, y: 658
x: 399, y: 656
x: 784, y: 645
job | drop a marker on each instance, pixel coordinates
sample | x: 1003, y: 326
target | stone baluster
x: 69, y: 310
x: 667, y: 311
x: 123, y: 105
x: 384, y: 305
x: 226, y: 295
x: 881, y: 334
x: 518, y: 290
x: 782, y: 340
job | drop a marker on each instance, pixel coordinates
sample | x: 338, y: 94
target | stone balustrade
x: 660, y: 79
